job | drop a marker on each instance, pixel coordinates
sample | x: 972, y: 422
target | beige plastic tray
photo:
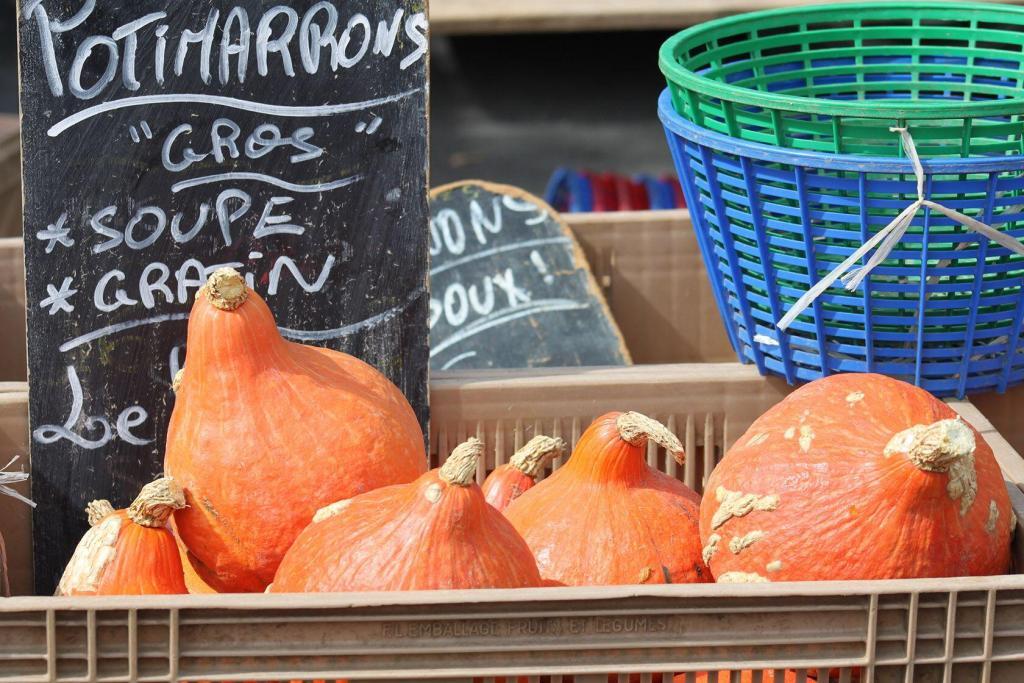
x: 969, y: 629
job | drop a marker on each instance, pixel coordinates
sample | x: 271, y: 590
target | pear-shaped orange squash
x: 129, y: 552
x: 857, y: 476
x: 265, y: 432
x: 607, y: 517
x: 511, y: 480
x: 436, y: 533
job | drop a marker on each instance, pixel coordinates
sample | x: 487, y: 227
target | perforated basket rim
x: 831, y: 161
x: 876, y: 109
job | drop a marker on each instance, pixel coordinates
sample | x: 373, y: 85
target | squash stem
x: 226, y: 289
x: 460, y: 467
x: 534, y: 456
x: 156, y: 502
x: 98, y: 510
x: 636, y: 429
x: 934, y: 447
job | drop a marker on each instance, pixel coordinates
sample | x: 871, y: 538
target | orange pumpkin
x: 437, y: 532
x: 607, y: 517
x: 129, y: 552
x: 509, y: 481
x: 265, y: 432
x: 857, y: 477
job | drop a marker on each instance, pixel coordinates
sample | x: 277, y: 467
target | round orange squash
x: 129, y: 552
x: 509, y: 481
x: 265, y: 432
x: 607, y: 517
x: 857, y: 477
x: 437, y: 532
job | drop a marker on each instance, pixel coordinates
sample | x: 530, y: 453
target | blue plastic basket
x: 944, y: 311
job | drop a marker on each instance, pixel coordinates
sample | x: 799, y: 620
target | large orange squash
x: 511, y: 480
x: 607, y: 517
x: 437, y: 532
x: 857, y: 477
x: 265, y: 432
x: 129, y: 552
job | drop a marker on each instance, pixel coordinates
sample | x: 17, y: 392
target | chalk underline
x: 299, y: 335
x: 458, y: 359
x: 292, y: 111
x: 263, y: 178
x: 119, y: 327
x: 507, y: 315
x: 322, y: 335
x: 498, y: 250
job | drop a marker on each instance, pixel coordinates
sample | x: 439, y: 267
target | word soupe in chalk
x: 228, y: 46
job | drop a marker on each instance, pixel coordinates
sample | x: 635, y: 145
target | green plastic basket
x: 836, y: 78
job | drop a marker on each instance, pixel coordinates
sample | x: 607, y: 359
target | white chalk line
x: 499, y: 250
x: 270, y: 180
x: 302, y: 335
x: 458, y: 359
x: 220, y: 101
x: 119, y: 327
x: 507, y: 315
x: 321, y: 335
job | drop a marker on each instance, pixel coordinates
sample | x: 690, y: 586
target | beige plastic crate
x: 969, y: 629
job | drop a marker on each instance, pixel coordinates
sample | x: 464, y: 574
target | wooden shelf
x: 463, y: 17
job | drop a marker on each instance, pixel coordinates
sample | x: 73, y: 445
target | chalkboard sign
x: 510, y: 287
x: 163, y: 140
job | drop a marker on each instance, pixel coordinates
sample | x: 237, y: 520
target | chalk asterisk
x: 56, y: 232
x: 58, y: 299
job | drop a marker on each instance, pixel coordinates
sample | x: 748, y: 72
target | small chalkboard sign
x: 163, y: 140
x: 510, y: 287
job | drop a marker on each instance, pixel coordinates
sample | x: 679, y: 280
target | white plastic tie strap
x: 8, y: 478
x: 886, y: 239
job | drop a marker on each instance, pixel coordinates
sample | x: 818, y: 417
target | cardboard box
x: 653, y: 277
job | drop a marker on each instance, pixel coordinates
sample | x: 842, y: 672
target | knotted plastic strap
x: 886, y: 239
x: 7, y: 478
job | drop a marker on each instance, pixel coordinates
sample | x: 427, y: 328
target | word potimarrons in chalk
x: 228, y: 46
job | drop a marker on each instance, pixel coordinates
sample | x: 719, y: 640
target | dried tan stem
x: 943, y: 446
x: 156, y: 502
x: 176, y: 382
x: 226, y: 289
x: 636, y: 429
x: 98, y: 510
x: 934, y: 447
x: 460, y: 467
x: 534, y: 456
